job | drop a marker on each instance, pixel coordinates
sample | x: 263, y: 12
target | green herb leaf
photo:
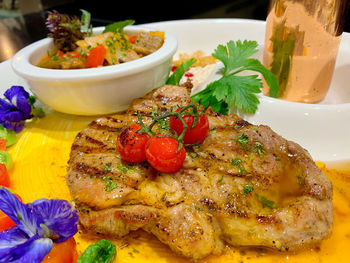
x: 10, y: 136
x: 125, y: 168
x: 109, y: 183
x: 175, y: 78
x: 102, y: 251
x: 108, y: 167
x: 117, y: 27
x: 247, y: 189
x: 243, y: 139
x: 232, y: 91
x: 266, y: 202
x: 36, y: 111
x: 238, y: 163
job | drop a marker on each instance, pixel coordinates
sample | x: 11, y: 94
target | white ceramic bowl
x: 94, y: 91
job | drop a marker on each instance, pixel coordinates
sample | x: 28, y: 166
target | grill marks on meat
x: 245, y: 185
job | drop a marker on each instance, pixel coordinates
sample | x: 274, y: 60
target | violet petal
x: 9, y: 239
x: 19, y: 98
x: 16, y: 91
x: 6, y: 106
x: 32, y: 250
x: 18, y: 212
x: 59, y: 217
x: 36, y: 252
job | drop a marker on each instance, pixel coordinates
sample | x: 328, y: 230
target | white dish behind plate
x: 323, y: 129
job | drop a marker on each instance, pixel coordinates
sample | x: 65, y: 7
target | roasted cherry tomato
x: 4, y: 176
x: 193, y: 135
x: 5, y: 221
x: 131, y: 145
x: 96, y: 56
x: 62, y: 252
x: 162, y: 154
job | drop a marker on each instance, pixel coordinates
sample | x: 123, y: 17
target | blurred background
x: 23, y: 21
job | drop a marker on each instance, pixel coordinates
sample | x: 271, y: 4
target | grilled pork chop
x: 245, y: 185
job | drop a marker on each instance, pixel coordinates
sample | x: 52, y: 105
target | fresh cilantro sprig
x: 237, y: 91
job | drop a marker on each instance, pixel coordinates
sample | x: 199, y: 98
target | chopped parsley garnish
x: 238, y: 163
x: 194, y: 155
x: 247, y: 189
x: 266, y: 202
x: 109, y: 183
x: 242, y: 139
x: 258, y: 148
x: 237, y: 91
x: 301, y: 178
x: 221, y: 180
x: 125, y: 168
x: 108, y: 167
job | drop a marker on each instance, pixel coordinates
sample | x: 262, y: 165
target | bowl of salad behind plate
x: 95, y: 90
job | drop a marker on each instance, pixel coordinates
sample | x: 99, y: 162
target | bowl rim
x: 22, y: 66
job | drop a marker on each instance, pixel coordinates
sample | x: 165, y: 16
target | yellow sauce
x: 40, y: 161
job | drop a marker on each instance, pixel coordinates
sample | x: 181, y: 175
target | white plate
x: 323, y: 129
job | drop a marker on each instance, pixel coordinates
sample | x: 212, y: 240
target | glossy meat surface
x: 245, y: 185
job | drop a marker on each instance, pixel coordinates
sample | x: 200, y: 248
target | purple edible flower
x: 38, y: 225
x: 15, y: 108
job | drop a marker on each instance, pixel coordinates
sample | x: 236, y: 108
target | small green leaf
x: 102, y: 251
x: 238, y: 163
x: 247, y: 189
x: 266, y: 202
x: 176, y: 77
x: 10, y: 136
x: 242, y: 139
x: 117, y: 27
x: 109, y: 183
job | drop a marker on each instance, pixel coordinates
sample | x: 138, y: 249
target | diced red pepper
x: 188, y: 74
x: 60, y: 53
x: 96, y: 56
x: 132, y: 39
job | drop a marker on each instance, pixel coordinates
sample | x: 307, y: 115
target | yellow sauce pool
x: 40, y: 161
